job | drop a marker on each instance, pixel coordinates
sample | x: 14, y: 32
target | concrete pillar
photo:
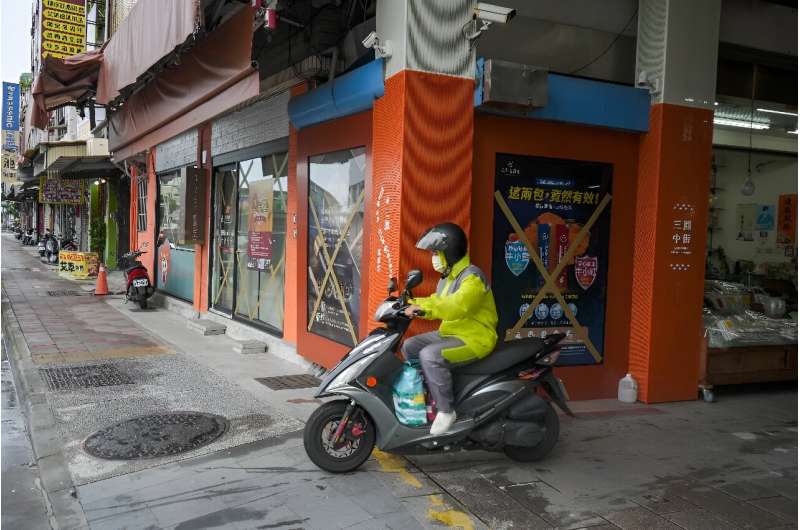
x: 422, y: 135
x: 677, y: 57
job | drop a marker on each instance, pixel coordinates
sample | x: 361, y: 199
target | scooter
x: 52, y: 247
x: 30, y: 238
x: 503, y: 401
x: 18, y: 232
x: 138, y: 288
x: 43, y: 246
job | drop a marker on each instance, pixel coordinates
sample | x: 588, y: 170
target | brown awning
x: 63, y: 81
x: 218, y: 66
x: 152, y: 30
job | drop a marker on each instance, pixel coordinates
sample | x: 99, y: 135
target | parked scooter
x: 30, y: 238
x: 68, y: 243
x: 52, y: 246
x: 18, y: 232
x: 504, y: 401
x: 138, y: 288
x: 43, y: 246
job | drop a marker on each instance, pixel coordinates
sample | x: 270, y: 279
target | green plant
x: 97, y: 237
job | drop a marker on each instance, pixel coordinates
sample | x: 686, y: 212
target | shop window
x: 141, y: 203
x: 175, y: 260
x: 335, y: 235
x: 250, y: 204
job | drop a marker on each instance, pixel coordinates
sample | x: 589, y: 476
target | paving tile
x: 731, y: 509
x: 662, y: 504
x: 780, y: 506
x: 639, y: 519
x: 699, y: 519
x: 747, y: 490
x: 476, y: 493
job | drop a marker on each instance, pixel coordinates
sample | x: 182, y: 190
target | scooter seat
x: 504, y: 356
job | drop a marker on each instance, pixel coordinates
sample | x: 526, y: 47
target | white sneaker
x: 443, y: 422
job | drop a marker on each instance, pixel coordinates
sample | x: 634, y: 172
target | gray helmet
x: 447, y: 238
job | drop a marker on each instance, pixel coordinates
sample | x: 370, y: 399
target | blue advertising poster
x: 10, y: 106
x: 552, y: 200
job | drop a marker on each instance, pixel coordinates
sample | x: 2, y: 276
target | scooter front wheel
x: 355, y: 444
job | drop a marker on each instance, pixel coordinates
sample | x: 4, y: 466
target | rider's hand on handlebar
x: 413, y: 310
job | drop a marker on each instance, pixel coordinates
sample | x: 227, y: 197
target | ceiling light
x: 740, y: 123
x: 771, y: 111
x: 792, y: 132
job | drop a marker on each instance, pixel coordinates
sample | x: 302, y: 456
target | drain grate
x: 155, y: 435
x: 289, y: 382
x: 63, y: 293
x: 92, y: 376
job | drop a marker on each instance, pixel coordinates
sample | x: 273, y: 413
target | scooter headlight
x: 350, y: 373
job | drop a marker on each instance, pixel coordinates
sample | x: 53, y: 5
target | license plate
x: 141, y: 283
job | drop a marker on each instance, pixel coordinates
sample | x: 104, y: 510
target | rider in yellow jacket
x: 463, y: 301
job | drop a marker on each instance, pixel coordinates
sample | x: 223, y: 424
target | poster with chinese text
x: 259, y: 224
x: 787, y: 220
x: 552, y: 199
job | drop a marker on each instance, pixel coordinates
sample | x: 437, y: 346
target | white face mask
x: 438, y: 263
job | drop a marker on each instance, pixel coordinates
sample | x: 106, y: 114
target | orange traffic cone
x: 102, y: 283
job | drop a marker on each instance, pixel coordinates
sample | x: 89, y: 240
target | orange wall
x: 201, y: 255
x: 666, y: 328
x: 422, y: 132
x: 495, y: 134
x: 138, y: 239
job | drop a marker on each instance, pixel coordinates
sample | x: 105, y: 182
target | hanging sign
x: 79, y: 265
x: 63, y: 28
x: 551, y: 201
x: 193, y: 214
x: 54, y: 190
x: 259, y: 224
x: 787, y: 220
x: 10, y: 109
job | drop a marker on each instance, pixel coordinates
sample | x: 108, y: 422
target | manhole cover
x: 288, y: 382
x: 63, y: 293
x: 155, y: 435
x: 75, y: 377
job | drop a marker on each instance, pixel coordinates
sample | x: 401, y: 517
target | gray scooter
x: 504, y: 401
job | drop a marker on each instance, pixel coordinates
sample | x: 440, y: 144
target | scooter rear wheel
x: 351, y: 452
x: 543, y: 448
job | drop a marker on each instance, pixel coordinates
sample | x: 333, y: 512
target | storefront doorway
x: 249, y: 240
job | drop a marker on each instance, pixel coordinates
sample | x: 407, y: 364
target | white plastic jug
x: 628, y: 389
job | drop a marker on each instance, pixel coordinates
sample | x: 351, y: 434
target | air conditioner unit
x: 97, y: 147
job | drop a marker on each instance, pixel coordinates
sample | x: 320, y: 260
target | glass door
x: 222, y: 280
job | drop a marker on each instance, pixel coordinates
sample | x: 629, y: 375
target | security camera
x: 381, y: 49
x: 493, y: 13
x: 370, y: 40
x: 487, y: 14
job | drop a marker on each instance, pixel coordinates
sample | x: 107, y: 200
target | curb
x: 64, y: 509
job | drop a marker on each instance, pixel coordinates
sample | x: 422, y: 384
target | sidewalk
x: 731, y: 464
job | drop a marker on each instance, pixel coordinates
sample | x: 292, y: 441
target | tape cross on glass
x: 329, y: 262
x: 550, y: 286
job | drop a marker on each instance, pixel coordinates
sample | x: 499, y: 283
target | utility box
x: 513, y: 86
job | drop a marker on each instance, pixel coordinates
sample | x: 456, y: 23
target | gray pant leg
x: 437, y: 372
x: 414, y: 345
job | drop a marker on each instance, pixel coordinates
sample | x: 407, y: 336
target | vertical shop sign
x: 63, y: 28
x: 787, y: 220
x: 559, y: 206
x: 259, y: 224
x: 10, y: 111
x: 681, y: 236
x: 193, y: 213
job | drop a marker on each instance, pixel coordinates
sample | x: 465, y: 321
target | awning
x: 63, y: 81
x: 213, y: 76
x: 151, y: 31
x: 83, y: 167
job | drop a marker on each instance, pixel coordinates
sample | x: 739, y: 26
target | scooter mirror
x: 413, y: 279
x: 392, y: 285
